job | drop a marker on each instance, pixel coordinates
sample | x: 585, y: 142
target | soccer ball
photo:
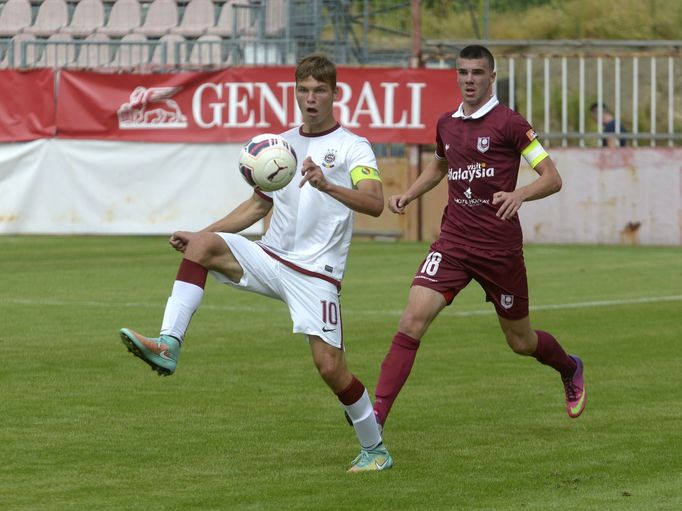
x: 267, y: 162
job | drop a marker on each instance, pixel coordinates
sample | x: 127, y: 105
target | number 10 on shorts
x: 330, y: 312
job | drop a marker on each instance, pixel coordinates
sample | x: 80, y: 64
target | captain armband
x: 534, y: 153
x: 360, y: 173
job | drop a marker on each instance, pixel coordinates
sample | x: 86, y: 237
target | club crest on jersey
x: 507, y: 301
x: 329, y: 159
x: 483, y: 144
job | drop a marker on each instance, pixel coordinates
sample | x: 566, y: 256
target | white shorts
x: 314, y: 304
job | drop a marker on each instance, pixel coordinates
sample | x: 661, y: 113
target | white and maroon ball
x: 267, y: 162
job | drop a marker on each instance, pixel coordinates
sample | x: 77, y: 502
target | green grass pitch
x: 246, y: 422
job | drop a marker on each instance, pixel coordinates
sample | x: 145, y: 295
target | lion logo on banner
x: 151, y: 108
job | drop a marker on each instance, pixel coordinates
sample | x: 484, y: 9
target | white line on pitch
x: 361, y: 312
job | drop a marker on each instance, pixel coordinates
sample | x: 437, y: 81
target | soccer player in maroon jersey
x: 478, y: 150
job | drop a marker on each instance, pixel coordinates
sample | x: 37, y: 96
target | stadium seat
x: 52, y: 16
x: 176, y: 51
x: 225, y: 26
x: 28, y: 57
x: 199, y: 16
x: 207, y: 51
x: 88, y: 16
x: 124, y: 17
x: 95, y: 51
x: 6, y: 54
x: 58, y: 52
x: 275, y: 18
x: 132, y: 51
x: 15, y: 16
x: 162, y: 15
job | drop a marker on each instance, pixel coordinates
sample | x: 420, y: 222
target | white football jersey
x: 309, y: 228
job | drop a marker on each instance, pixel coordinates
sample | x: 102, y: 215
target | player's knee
x: 203, y: 247
x: 412, y: 324
x: 329, y: 371
x: 520, y: 344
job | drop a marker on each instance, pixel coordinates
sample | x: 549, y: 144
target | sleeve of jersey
x: 440, y: 147
x: 363, y: 163
x: 526, y: 140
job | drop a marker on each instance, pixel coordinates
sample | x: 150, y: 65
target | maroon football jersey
x: 483, y: 156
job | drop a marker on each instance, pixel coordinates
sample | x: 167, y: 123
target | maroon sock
x: 550, y: 352
x: 192, y: 273
x: 395, y: 369
x: 352, y: 393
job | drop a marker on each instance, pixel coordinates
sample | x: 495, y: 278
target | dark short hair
x: 476, y: 51
x: 595, y: 106
x: 319, y: 67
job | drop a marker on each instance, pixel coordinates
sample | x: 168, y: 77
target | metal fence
x: 554, y: 84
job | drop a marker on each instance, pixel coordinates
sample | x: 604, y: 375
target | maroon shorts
x: 448, y: 268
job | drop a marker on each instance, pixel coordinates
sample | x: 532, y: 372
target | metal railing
x: 554, y: 84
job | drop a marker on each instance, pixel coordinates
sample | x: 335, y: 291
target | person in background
x: 608, y: 126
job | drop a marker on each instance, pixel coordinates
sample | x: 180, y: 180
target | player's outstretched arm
x: 245, y: 215
x: 429, y: 178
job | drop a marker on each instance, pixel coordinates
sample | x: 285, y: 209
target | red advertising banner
x: 27, y: 107
x: 232, y: 105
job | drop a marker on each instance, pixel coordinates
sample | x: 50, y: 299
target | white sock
x: 181, y: 306
x: 364, y: 421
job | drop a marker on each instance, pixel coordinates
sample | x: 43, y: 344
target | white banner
x: 103, y: 187
x: 54, y: 186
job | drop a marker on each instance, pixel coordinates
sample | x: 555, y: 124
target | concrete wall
x: 609, y: 196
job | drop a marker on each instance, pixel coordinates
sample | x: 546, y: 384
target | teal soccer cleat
x: 372, y: 460
x: 160, y: 353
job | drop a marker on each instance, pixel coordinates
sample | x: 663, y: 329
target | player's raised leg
x: 202, y: 250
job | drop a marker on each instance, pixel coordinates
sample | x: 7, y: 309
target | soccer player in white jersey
x: 300, y: 259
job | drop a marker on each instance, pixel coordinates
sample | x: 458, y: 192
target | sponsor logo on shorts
x: 325, y: 329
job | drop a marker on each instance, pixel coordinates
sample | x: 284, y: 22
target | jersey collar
x: 492, y: 103
x: 320, y: 134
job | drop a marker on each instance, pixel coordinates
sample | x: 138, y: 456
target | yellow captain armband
x: 361, y: 173
x: 534, y: 153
